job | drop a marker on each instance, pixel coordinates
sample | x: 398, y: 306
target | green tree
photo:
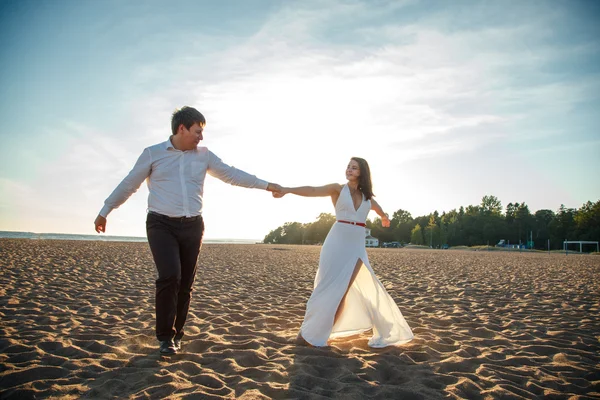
x: 318, y: 230
x: 401, y: 225
x: 473, y: 225
x: 519, y: 222
x: 381, y: 233
x: 402, y: 217
x: 274, y: 236
x: 563, y: 226
x: 445, y: 223
x: 416, y: 236
x: 490, y: 205
x: 541, y: 233
x: 472, y: 210
x: 432, y: 232
x: 511, y: 211
x: 455, y: 233
x: 524, y: 222
x: 587, y: 221
x: 292, y: 233
x: 490, y: 220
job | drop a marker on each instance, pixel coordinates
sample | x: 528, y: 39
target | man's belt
x: 178, y: 219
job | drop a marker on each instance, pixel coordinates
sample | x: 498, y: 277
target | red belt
x: 351, y: 222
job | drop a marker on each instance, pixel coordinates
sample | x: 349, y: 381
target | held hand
x: 276, y: 190
x: 385, y: 222
x: 100, y: 224
x: 281, y: 192
x: 273, y: 187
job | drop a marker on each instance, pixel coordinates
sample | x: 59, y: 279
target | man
x: 175, y: 172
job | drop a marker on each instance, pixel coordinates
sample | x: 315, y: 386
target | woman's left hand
x: 385, y: 222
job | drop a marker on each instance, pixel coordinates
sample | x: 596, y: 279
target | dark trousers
x: 175, y: 245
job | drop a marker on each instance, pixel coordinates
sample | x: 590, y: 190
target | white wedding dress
x: 368, y: 305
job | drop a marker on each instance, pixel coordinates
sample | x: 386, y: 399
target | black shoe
x: 167, y: 347
x: 177, y: 343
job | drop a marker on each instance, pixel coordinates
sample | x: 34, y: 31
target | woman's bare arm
x: 385, y: 221
x: 332, y: 189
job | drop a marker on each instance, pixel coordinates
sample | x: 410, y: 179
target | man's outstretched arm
x: 128, y: 186
x: 237, y: 177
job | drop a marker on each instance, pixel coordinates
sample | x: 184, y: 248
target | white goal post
x: 581, y: 243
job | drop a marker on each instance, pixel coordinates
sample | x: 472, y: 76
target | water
x: 104, y: 238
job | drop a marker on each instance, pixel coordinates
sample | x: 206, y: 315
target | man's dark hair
x: 187, y: 116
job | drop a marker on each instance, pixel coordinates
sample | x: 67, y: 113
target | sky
x: 447, y: 101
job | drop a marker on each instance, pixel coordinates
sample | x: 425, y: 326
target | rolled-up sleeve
x: 128, y: 186
x: 232, y: 175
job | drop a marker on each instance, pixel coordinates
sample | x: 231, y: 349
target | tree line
x: 474, y: 225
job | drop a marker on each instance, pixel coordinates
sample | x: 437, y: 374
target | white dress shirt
x: 175, y: 179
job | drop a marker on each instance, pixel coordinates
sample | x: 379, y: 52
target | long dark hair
x: 364, y: 181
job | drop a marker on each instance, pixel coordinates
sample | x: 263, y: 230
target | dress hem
x: 371, y: 345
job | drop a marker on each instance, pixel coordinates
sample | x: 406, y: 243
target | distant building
x: 370, y: 241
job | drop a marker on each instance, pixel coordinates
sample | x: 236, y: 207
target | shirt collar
x: 169, y: 145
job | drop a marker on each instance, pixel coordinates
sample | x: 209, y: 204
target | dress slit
x: 357, y: 267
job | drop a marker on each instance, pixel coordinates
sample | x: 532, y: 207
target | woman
x: 348, y: 298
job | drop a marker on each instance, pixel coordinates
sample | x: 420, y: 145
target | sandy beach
x: 77, y: 321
